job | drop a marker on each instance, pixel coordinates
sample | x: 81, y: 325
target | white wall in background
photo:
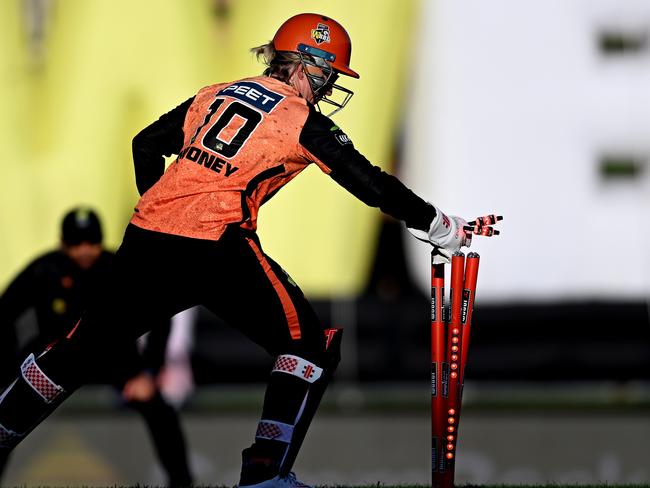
x: 511, y: 105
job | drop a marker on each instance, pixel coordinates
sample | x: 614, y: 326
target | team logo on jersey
x: 253, y: 94
x: 321, y: 33
x: 342, y: 138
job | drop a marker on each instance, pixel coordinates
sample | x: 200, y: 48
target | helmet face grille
x: 339, y: 98
x: 323, y: 83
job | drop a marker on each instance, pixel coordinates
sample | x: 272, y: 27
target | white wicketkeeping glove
x: 447, y: 234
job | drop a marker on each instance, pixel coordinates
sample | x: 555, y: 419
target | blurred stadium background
x: 539, y: 110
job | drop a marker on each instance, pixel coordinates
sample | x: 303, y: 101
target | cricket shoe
x: 288, y: 481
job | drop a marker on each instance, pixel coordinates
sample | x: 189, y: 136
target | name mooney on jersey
x: 208, y: 160
x: 253, y: 94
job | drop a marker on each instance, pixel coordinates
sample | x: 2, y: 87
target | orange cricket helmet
x: 318, y: 36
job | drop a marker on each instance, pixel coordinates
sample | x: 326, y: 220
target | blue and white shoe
x: 289, y: 481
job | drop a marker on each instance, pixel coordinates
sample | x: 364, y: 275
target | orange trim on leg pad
x: 283, y: 294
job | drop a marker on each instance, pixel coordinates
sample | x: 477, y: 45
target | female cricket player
x: 192, y: 238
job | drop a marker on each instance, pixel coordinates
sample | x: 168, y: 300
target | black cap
x: 81, y: 225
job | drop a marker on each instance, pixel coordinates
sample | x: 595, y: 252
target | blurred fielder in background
x: 58, y: 286
x: 192, y: 238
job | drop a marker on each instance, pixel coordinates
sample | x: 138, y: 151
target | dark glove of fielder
x: 447, y: 233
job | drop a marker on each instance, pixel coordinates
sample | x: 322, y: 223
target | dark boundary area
x: 573, y: 341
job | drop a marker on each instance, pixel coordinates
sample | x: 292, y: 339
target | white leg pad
x: 39, y: 381
x: 297, y: 366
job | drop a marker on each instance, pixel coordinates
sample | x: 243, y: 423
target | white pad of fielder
x: 297, y: 366
x: 39, y: 381
x: 8, y: 437
x: 274, y: 430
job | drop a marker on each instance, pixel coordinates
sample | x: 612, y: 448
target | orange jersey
x: 241, y: 145
x: 238, y: 143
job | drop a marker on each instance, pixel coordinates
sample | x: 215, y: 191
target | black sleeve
x: 162, y: 138
x: 18, y: 296
x: 16, y: 299
x: 349, y: 168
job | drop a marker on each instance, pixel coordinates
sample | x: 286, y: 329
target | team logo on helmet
x: 321, y: 33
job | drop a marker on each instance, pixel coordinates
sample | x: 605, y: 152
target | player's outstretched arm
x: 332, y: 150
x: 162, y: 138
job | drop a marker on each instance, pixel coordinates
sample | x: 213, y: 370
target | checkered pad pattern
x: 41, y: 384
x: 298, y: 367
x: 278, y: 431
x: 285, y: 363
x: 7, y: 437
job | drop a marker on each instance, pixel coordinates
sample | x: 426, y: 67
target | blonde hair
x: 280, y: 64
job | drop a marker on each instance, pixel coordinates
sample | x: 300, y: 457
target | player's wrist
x: 435, y: 228
x: 441, y: 226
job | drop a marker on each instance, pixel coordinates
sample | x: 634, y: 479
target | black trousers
x: 158, y: 275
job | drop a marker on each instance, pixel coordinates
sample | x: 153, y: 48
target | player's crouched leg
x: 45, y: 381
x: 294, y: 391
x: 28, y: 400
